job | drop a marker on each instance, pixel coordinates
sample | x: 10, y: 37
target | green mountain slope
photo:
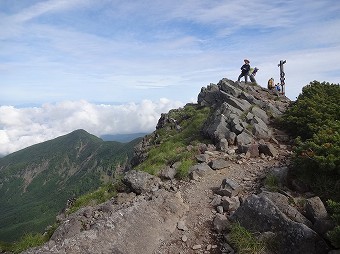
x: 36, y: 182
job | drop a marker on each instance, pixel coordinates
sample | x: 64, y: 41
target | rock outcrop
x: 242, y: 112
x: 138, y: 226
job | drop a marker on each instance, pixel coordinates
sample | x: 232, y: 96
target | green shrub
x: 316, y: 106
x: 314, y: 120
x: 334, y: 235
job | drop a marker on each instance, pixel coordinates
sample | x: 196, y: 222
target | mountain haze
x: 36, y: 182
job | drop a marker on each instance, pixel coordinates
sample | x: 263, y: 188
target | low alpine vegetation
x: 171, y: 143
x: 314, y: 120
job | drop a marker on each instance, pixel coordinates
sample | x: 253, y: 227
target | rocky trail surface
x: 196, y: 233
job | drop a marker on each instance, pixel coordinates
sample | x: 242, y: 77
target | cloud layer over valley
x: 22, y: 127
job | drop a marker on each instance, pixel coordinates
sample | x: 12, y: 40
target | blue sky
x: 158, y: 54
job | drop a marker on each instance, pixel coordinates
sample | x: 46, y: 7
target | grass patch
x: 170, y: 144
x: 101, y: 195
x: 271, y: 183
x: 245, y: 242
x: 27, y: 241
x: 183, y: 169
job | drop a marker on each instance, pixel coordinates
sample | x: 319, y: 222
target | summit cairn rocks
x: 242, y: 114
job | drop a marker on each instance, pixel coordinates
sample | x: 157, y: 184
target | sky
x: 112, y: 66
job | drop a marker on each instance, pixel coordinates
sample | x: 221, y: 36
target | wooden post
x: 282, y: 75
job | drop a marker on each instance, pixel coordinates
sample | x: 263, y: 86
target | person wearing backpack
x: 252, y: 74
x: 244, y: 71
x: 271, y: 84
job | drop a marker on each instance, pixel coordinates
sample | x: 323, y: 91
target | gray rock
x: 139, y: 228
x: 258, y: 213
x: 202, y: 157
x: 240, y: 104
x: 315, y: 209
x: 223, y: 145
x: 230, y: 203
x: 168, y: 173
x: 216, y: 200
x: 252, y: 149
x: 219, y: 164
x: 237, y: 129
x: 281, y: 174
x: 221, y: 223
x: 282, y: 202
x: 228, y: 87
x: 200, y: 169
x: 261, y: 114
x: 268, y: 149
x: 244, y: 139
x: 141, y: 182
x: 231, y: 137
x: 209, y: 95
x: 229, y: 188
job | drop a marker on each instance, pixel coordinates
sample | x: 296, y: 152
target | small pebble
x: 196, y: 247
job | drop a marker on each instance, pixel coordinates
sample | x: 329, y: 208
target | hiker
x: 244, y: 71
x: 277, y: 87
x: 271, y: 84
x: 252, y: 74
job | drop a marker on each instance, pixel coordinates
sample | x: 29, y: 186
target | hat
x: 246, y: 60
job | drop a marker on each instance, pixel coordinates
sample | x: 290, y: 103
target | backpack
x: 271, y: 83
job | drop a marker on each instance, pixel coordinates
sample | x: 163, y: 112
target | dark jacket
x: 245, y: 68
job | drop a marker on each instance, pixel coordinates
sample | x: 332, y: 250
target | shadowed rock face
x: 258, y: 213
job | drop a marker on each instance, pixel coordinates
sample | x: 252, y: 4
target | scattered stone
x: 221, y: 223
x: 184, y: 238
x: 181, y: 225
x: 219, y: 209
x: 219, y: 164
x: 203, y: 157
x: 229, y: 188
x: 230, y: 203
x: 216, y: 201
x: 196, y: 247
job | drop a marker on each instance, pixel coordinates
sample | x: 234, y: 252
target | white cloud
x: 22, y: 127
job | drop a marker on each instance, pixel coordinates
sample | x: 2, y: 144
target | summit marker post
x: 282, y: 75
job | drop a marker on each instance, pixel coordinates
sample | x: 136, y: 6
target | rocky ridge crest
x: 163, y: 215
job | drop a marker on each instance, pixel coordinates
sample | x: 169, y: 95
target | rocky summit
x: 229, y: 185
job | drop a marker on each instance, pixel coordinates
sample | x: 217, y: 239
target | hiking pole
x: 282, y: 75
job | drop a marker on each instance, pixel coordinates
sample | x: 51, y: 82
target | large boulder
x: 141, y: 182
x: 139, y: 228
x: 260, y: 214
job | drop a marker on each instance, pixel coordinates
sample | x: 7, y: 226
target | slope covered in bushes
x: 314, y: 119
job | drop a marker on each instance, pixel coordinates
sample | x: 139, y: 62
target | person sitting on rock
x: 271, y: 84
x: 244, y: 71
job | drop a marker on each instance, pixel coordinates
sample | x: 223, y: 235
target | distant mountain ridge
x: 36, y: 182
x: 123, y: 138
